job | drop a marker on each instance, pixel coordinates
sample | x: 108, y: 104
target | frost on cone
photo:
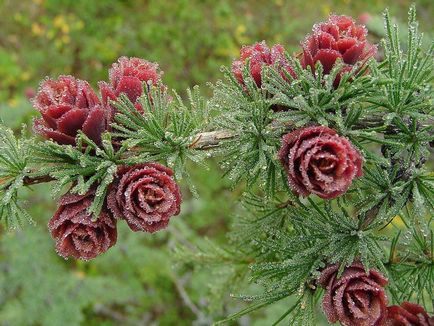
x: 129, y: 76
x: 259, y: 55
x: 68, y: 105
x: 408, y: 314
x: 338, y: 38
x: 145, y: 195
x: 317, y: 160
x: 356, y: 298
x: 76, y: 234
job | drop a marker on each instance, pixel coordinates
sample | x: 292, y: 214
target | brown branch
x: 202, y: 141
x: 211, y: 139
x: 28, y: 181
x: 206, y: 140
x: 179, y: 283
x: 104, y: 311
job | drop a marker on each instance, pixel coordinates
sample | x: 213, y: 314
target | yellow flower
x: 80, y: 274
x: 25, y: 75
x: 13, y: 102
x: 241, y: 29
x: 37, y: 29
x: 326, y: 10
x: 240, y: 33
x: 58, y: 21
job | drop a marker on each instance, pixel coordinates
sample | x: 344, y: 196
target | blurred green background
x: 136, y: 282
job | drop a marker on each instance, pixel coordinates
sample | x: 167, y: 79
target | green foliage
x: 277, y: 242
x: 14, y: 155
x: 303, y: 312
x: 42, y: 286
x: 190, y: 39
x: 314, y: 99
x: 68, y: 164
x: 122, y: 287
x: 411, y: 260
x: 246, y: 113
x: 9, y: 71
x: 166, y: 129
x: 375, y: 25
x: 385, y: 109
x: 226, y: 265
x: 410, y: 72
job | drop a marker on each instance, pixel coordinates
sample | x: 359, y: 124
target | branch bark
x: 202, y: 141
x: 41, y: 179
x: 206, y: 140
x: 211, y: 139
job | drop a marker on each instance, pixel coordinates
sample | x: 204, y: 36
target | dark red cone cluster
x: 319, y: 161
x: 338, y: 38
x: 76, y: 234
x: 68, y: 105
x: 146, y: 196
x: 408, y: 314
x: 356, y: 298
x: 257, y: 56
x: 129, y: 76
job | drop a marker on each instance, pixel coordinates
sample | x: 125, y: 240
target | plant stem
x: 202, y: 141
x: 28, y: 181
x: 206, y: 140
x: 212, y: 139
